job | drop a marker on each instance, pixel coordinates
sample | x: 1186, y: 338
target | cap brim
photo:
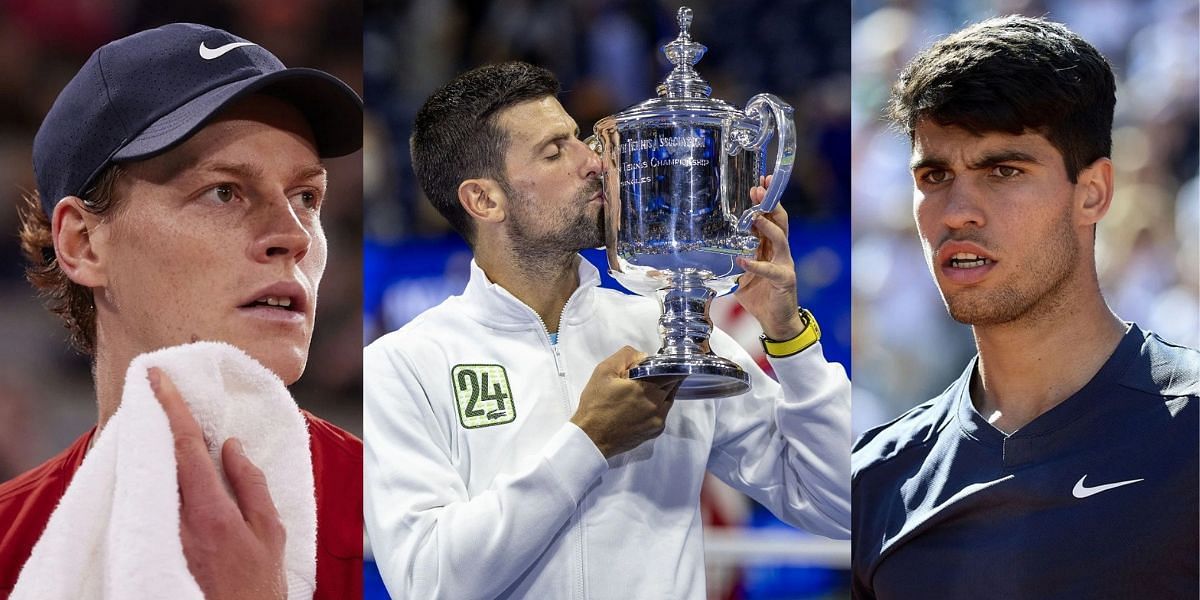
x: 333, y: 110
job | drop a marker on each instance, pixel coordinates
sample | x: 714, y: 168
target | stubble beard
x: 1039, y: 289
x: 554, y: 246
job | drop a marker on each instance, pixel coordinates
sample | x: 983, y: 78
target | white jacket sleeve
x: 429, y: 537
x: 788, y: 446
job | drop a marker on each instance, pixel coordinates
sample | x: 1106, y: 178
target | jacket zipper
x: 566, y: 393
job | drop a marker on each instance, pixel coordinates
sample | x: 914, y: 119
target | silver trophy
x: 678, y: 173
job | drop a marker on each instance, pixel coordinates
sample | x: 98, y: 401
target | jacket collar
x: 492, y: 305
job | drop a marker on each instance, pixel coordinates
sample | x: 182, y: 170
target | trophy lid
x: 683, y: 94
x: 684, y: 82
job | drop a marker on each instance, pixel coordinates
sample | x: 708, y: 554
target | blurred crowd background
x: 46, y: 396
x: 906, y: 349
x: 607, y: 55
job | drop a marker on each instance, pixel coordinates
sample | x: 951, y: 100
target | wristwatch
x: 810, y: 335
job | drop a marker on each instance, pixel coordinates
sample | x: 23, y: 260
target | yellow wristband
x: 796, y: 345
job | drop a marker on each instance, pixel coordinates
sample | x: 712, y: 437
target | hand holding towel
x: 116, y: 531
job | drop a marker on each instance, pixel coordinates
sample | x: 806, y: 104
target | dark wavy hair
x: 1013, y: 74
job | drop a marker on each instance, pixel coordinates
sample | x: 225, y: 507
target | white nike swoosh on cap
x: 1080, y: 491
x: 210, y: 53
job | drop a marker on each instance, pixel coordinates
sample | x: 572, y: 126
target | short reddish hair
x: 74, y: 303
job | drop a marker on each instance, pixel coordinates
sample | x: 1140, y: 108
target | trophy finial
x: 684, y: 82
x: 684, y: 17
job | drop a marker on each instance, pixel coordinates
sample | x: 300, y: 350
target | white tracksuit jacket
x: 478, y: 486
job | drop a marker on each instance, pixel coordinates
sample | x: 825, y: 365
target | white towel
x: 115, y: 533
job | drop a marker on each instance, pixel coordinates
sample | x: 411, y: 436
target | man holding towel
x: 179, y: 195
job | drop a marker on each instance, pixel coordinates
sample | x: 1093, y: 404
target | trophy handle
x: 604, y: 142
x: 765, y: 109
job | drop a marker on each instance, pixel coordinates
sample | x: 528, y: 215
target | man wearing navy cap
x: 180, y: 186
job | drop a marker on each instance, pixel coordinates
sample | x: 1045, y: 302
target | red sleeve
x: 26, y: 503
x: 337, y: 474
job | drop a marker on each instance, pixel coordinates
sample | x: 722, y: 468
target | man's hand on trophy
x: 619, y: 413
x: 768, y: 288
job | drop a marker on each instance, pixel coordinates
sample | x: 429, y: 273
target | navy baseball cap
x: 146, y: 93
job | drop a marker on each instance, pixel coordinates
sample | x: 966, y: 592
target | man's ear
x: 1093, y: 192
x: 78, y: 242
x: 483, y: 199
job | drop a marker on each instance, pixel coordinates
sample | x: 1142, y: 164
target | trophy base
x: 705, y: 375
